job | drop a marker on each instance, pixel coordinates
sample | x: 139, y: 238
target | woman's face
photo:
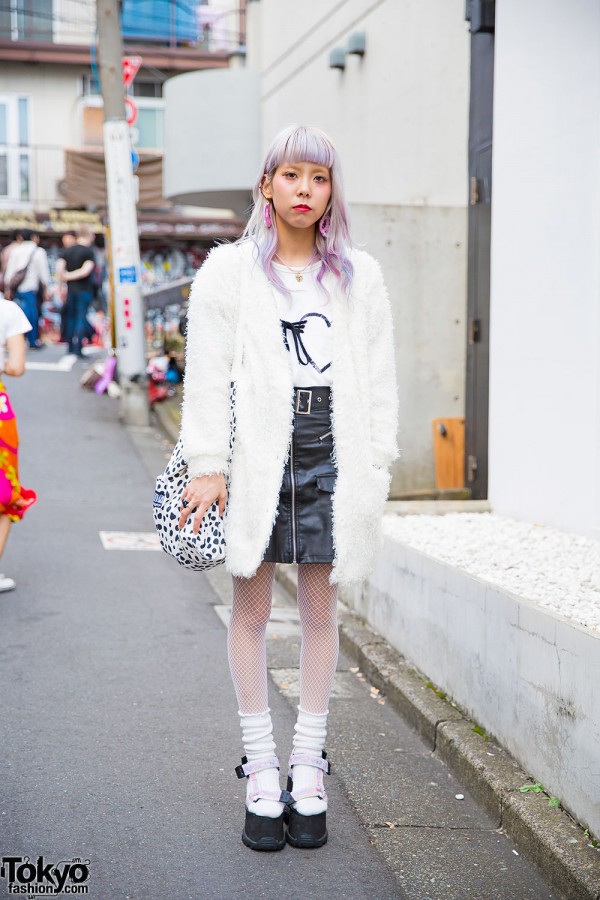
x: 300, y: 193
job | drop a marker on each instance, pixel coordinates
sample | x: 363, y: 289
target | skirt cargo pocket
x: 326, y: 483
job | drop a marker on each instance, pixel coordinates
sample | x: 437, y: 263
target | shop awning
x: 84, y: 183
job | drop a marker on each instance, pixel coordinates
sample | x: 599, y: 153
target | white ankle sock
x: 257, y: 738
x: 310, y: 733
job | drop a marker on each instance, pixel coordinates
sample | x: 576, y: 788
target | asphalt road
x: 119, y: 724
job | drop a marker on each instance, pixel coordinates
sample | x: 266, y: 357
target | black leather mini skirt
x: 303, y: 529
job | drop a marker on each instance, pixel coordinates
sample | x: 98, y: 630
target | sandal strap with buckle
x: 317, y: 789
x: 307, y: 759
x: 252, y: 770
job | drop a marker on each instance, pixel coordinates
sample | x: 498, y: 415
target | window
x: 15, y: 159
x: 26, y: 20
x: 141, y: 87
x: 150, y: 126
x: 146, y: 134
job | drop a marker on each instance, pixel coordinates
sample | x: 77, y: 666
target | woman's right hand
x: 199, y: 495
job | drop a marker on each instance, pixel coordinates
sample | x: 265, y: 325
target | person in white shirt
x: 15, y: 499
x: 30, y: 256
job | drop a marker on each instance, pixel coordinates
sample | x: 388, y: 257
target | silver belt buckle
x: 303, y: 412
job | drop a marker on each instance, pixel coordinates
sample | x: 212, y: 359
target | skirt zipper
x: 323, y: 436
x: 293, y: 478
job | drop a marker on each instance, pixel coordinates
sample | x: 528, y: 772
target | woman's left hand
x: 199, y: 495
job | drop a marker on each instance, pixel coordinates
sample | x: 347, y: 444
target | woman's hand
x: 199, y: 495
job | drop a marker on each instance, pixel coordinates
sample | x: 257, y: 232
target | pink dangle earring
x: 267, y: 215
x: 324, y: 226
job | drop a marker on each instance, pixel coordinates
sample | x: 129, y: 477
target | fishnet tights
x: 246, y: 638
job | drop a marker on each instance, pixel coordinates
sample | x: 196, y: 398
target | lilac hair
x: 300, y: 143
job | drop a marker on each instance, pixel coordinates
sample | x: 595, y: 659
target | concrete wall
x: 399, y: 117
x: 212, y: 138
x: 545, y: 300
x: 527, y: 675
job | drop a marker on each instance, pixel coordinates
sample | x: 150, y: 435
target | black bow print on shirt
x: 297, y: 330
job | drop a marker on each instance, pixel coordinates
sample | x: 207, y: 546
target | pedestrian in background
x: 30, y: 260
x: 16, y: 238
x: 15, y: 500
x: 68, y: 239
x: 75, y: 266
x: 315, y: 432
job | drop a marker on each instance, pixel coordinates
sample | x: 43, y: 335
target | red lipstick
x: 302, y: 207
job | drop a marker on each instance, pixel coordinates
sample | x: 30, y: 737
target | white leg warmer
x: 310, y: 733
x: 257, y: 738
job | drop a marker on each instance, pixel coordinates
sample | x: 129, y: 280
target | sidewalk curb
x: 552, y: 840
x: 168, y: 423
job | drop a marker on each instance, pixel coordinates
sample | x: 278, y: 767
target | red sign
x: 131, y: 111
x: 131, y: 65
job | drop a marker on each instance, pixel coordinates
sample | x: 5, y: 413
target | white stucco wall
x: 545, y: 300
x: 526, y: 674
x: 399, y: 117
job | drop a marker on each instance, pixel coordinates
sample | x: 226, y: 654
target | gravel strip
x: 557, y: 570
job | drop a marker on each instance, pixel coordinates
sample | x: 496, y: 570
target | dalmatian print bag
x: 194, y: 551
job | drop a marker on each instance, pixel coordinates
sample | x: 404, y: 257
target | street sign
x: 131, y: 111
x: 131, y: 65
x: 127, y: 274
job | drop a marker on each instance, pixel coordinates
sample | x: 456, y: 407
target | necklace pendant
x: 299, y: 276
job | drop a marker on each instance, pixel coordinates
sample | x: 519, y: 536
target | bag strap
x: 29, y: 261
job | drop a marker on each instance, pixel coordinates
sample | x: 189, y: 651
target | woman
x: 15, y: 500
x: 315, y: 431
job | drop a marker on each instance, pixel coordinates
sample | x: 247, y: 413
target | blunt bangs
x: 301, y: 145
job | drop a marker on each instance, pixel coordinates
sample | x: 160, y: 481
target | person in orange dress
x: 15, y: 499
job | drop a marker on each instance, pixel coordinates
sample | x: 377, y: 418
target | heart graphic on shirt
x: 303, y: 338
x: 318, y: 321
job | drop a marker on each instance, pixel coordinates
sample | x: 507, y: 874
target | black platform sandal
x: 261, y: 832
x: 306, y: 831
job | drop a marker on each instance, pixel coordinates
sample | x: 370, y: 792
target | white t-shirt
x: 306, y: 322
x: 12, y: 321
x: 35, y: 258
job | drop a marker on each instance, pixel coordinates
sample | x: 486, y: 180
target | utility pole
x: 125, y: 251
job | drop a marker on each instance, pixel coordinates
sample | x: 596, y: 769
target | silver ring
x: 184, y: 503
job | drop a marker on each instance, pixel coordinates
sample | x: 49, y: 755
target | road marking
x: 129, y: 540
x: 64, y: 364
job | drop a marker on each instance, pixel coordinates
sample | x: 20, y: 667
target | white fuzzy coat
x: 364, y: 404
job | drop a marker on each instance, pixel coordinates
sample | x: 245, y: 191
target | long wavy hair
x: 302, y: 143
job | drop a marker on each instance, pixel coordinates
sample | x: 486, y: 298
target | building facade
x: 51, y: 118
x: 389, y: 82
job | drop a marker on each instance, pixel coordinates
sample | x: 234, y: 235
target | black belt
x: 307, y: 400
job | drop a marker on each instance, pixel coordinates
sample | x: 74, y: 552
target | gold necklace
x: 299, y: 275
